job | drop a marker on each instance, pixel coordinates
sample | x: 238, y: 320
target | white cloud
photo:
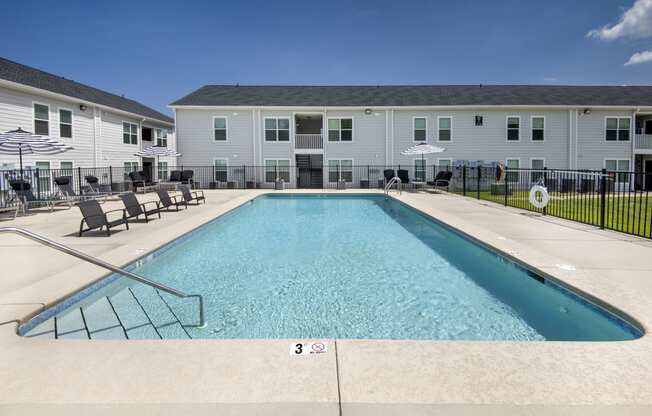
x: 550, y: 79
x: 639, y: 58
x: 636, y: 23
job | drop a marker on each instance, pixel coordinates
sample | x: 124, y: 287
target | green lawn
x: 627, y: 213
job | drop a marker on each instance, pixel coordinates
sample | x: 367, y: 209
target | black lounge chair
x: 404, y: 176
x: 139, y: 180
x: 64, y: 183
x: 95, y: 218
x: 25, y: 196
x: 96, y: 188
x: 186, y: 177
x: 168, y: 201
x: 191, y: 196
x: 175, y: 176
x: 389, y: 174
x: 135, y: 208
x: 442, y: 179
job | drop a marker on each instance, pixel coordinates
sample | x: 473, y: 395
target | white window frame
x: 339, y: 160
x: 226, y: 166
x: 439, y: 128
x: 72, y: 166
x: 339, y: 140
x: 131, y: 164
x: 277, y: 130
x: 45, y: 181
x: 49, y: 120
x: 627, y: 176
x: 271, y: 159
x: 158, y: 139
x: 414, y: 129
x: 72, y: 121
x: 226, y: 129
x: 537, y: 158
x: 534, y: 176
x: 532, y: 117
x: 520, y: 127
x: 130, y: 135
x: 158, y: 170
x: 604, y: 131
x: 507, y: 159
x: 425, y: 168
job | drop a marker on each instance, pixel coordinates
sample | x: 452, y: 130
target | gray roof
x: 22, y: 74
x: 417, y: 95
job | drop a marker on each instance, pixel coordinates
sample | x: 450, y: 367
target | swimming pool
x: 331, y: 266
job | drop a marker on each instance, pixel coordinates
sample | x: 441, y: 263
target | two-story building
x: 104, y: 129
x: 325, y: 128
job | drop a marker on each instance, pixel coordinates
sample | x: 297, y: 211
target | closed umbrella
x: 20, y: 142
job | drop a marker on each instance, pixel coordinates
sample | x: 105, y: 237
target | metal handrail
x: 395, y: 180
x: 93, y: 260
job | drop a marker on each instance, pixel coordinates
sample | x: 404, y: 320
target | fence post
x: 506, y: 191
x: 479, y: 179
x: 111, y: 177
x: 464, y: 180
x: 603, y: 191
x: 79, y: 182
x: 38, y: 183
x: 244, y: 176
x: 545, y: 181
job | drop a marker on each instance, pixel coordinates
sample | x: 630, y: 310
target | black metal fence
x: 612, y: 200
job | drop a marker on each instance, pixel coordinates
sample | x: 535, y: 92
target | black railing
x: 611, y: 200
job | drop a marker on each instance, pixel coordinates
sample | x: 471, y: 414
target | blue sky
x: 158, y: 51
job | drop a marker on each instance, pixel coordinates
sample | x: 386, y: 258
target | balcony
x: 308, y: 141
x: 643, y: 142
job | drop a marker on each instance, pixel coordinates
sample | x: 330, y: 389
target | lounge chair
x: 138, y: 180
x: 441, y: 180
x: 191, y: 196
x: 97, y: 189
x: 168, y: 201
x: 175, y: 176
x: 25, y: 196
x: 68, y: 192
x: 135, y: 208
x: 186, y: 177
x: 404, y: 176
x: 95, y: 218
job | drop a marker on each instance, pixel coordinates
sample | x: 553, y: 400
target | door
x: 148, y: 168
x: 309, y: 171
x: 648, y: 175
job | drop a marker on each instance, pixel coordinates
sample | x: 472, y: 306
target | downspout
x: 95, y: 146
x: 386, y: 137
x: 577, y: 119
x: 570, y: 139
x: 254, y: 128
x: 632, y: 135
x: 176, y: 137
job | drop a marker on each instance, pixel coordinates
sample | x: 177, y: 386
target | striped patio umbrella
x: 156, y: 151
x: 422, y: 149
x: 20, y: 142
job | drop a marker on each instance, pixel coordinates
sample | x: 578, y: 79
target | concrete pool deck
x: 361, y: 377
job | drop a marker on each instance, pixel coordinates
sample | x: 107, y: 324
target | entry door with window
x: 648, y: 175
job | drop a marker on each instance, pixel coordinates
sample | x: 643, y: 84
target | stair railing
x: 395, y: 180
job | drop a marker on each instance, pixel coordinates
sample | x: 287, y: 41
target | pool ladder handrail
x: 93, y: 260
x: 395, y: 180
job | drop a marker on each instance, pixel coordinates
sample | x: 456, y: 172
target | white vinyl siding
x: 65, y: 123
x: 41, y: 119
x: 129, y: 133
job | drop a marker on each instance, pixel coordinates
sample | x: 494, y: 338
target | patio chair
x: 139, y: 180
x: 95, y: 188
x: 135, y: 208
x: 441, y: 180
x: 168, y: 201
x: 175, y: 176
x: 95, y: 218
x: 186, y: 177
x: 191, y: 196
x: 27, y: 199
x: 389, y: 174
x: 404, y: 176
x: 68, y: 192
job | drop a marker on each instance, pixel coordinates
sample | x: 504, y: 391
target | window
x: 419, y: 127
x: 444, y: 165
x: 512, y: 164
x: 277, y: 169
x: 277, y: 129
x: 617, y: 129
x: 340, y: 129
x: 219, y: 129
x: 129, y: 133
x: 128, y: 168
x: 162, y: 171
x: 65, y: 123
x: 420, y: 170
x: 648, y: 127
x: 65, y: 168
x: 538, y: 127
x: 340, y: 169
x: 43, y: 176
x: 445, y: 128
x: 41, y: 119
x: 479, y: 120
x: 513, y: 128
x: 537, y: 165
x: 221, y: 168
x: 618, y: 165
x: 162, y: 137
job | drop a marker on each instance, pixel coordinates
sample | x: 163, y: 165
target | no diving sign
x: 308, y: 348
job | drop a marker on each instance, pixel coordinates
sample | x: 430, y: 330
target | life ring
x: 543, y: 194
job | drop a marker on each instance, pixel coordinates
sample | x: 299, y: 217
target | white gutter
x: 422, y: 107
x: 63, y: 97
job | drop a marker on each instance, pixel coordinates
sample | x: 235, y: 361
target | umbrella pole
x: 20, y: 158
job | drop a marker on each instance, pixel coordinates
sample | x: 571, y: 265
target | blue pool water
x: 336, y: 266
